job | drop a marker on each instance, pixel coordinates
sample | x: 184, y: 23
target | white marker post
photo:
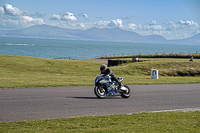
x: 154, y: 74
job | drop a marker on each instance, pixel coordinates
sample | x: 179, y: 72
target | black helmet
x: 103, y: 67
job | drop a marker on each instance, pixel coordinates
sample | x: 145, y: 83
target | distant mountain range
x: 93, y: 34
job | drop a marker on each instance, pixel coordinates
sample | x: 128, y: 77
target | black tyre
x: 99, y: 91
x: 126, y: 93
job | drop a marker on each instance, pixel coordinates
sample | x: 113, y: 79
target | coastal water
x: 68, y: 49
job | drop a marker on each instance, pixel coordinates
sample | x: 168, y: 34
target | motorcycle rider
x: 108, y: 72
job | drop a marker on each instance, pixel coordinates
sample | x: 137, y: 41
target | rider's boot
x: 119, y: 86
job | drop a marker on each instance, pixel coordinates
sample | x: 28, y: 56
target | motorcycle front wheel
x: 126, y: 92
x: 99, y: 91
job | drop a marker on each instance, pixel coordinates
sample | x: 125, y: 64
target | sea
x: 78, y: 49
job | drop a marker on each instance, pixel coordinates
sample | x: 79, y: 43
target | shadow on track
x: 111, y: 97
x: 85, y: 97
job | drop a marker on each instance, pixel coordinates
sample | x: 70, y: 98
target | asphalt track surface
x: 21, y: 104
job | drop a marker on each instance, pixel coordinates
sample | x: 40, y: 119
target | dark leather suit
x: 109, y: 72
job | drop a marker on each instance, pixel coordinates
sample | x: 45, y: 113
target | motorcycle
x: 104, y: 87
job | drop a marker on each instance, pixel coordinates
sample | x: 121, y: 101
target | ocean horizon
x: 79, y: 49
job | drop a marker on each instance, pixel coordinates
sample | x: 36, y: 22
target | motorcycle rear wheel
x: 126, y: 93
x: 99, y: 92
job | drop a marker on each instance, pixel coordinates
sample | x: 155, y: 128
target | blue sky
x: 173, y: 19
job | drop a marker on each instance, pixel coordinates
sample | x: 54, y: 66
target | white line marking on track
x: 184, y: 110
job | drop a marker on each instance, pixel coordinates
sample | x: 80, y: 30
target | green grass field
x: 19, y: 71
x: 171, y: 122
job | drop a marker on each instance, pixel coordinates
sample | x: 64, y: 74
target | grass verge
x: 176, y: 122
x: 19, y: 71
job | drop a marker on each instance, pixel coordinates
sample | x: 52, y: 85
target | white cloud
x: 132, y: 26
x: 1, y: 11
x: 27, y: 19
x: 85, y: 16
x: 115, y: 23
x: 171, y: 25
x: 102, y: 24
x: 55, y: 17
x: 11, y: 22
x: 13, y: 17
x: 22, y: 22
x: 37, y: 21
x: 13, y: 11
x: 31, y: 21
x: 68, y: 17
x: 182, y: 29
x: 109, y: 24
x: 82, y: 15
x: 181, y: 22
x: 170, y: 30
x: 152, y: 22
x: 187, y: 24
x: 151, y: 27
x: 82, y: 25
x: 157, y: 27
